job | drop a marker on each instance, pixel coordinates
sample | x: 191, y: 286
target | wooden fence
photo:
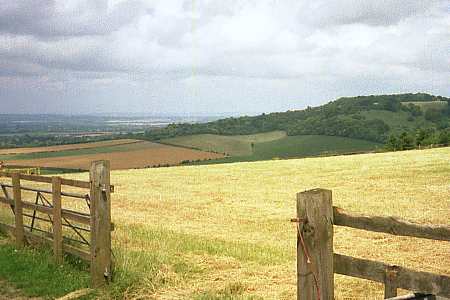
x: 27, y: 171
x: 316, y: 262
x: 85, y: 234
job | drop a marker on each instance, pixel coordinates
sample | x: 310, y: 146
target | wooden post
x: 390, y: 282
x: 18, y: 211
x: 57, y: 220
x: 315, y: 263
x: 100, y: 223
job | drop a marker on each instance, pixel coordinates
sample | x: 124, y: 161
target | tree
x: 392, y: 143
x: 433, y: 114
x: 406, y: 141
x: 443, y: 138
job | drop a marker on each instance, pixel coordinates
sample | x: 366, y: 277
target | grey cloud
x: 53, y: 19
x: 375, y: 13
x: 151, y: 47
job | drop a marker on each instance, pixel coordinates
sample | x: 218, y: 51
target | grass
x: 397, y: 121
x: 46, y: 171
x: 301, y: 146
x: 35, y: 274
x: 311, y: 145
x: 424, y: 105
x: 233, y: 291
x: 188, y: 232
x: 76, y: 152
x: 236, y: 145
x: 223, y: 231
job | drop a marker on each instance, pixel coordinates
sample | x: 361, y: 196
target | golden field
x: 223, y: 231
x: 135, y: 154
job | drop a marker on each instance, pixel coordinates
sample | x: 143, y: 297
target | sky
x: 205, y: 57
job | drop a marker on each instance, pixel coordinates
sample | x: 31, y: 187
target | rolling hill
x: 223, y: 231
x: 236, y: 145
x: 299, y: 146
x: 348, y: 124
x: 372, y: 118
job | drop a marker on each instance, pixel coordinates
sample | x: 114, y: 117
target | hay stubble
x: 203, y: 212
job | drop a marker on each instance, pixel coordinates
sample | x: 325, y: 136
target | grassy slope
x: 302, y: 146
x: 223, y: 231
x: 67, y: 146
x: 76, y: 152
x: 35, y: 274
x: 429, y: 104
x: 236, y: 145
x: 205, y: 231
x: 310, y: 145
x: 397, y: 121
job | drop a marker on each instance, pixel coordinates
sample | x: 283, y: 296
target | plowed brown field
x: 152, y: 155
x: 68, y: 147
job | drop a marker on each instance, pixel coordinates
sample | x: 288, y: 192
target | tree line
x: 342, y: 117
x: 417, y: 139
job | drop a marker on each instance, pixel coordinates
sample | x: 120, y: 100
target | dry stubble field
x: 221, y: 231
x: 138, y: 154
x: 68, y: 147
x: 201, y: 231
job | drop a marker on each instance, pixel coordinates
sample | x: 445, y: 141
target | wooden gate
x: 316, y: 262
x: 77, y: 222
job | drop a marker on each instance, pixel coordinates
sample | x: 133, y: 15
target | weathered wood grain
x: 68, y: 214
x: 46, y: 179
x: 57, y: 220
x: 18, y: 211
x: 315, y: 216
x: 47, y: 191
x: 100, y: 223
x: 406, y: 279
x: 391, y: 225
x: 38, y: 239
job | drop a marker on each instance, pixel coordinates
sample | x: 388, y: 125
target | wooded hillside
x: 373, y: 118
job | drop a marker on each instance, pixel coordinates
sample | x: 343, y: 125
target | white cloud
x: 336, y: 47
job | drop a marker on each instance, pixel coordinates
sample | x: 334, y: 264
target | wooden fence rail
x: 97, y: 222
x: 316, y: 262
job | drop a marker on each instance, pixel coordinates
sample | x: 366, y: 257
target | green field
x: 397, y: 121
x: 236, y: 145
x: 311, y: 145
x: 424, y: 105
x: 49, y: 280
x: 302, y: 146
x: 76, y: 152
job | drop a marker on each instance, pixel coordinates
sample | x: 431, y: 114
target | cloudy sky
x: 215, y: 56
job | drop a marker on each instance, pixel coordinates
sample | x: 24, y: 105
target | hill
x: 372, y: 118
x: 299, y: 146
x: 205, y: 232
x: 236, y: 145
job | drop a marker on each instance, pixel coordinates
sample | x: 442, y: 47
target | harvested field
x: 138, y: 155
x: 67, y: 147
x: 223, y: 231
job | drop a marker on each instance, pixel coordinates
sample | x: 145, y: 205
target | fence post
x: 315, y: 274
x: 18, y: 211
x: 100, y: 195
x: 57, y: 221
x: 390, y: 283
